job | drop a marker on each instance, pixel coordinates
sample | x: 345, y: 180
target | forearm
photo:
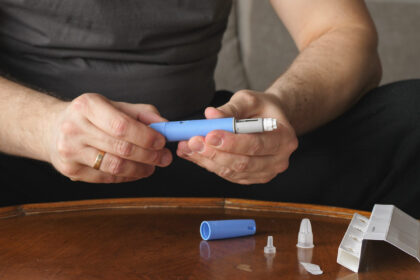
x: 24, y: 120
x: 328, y: 77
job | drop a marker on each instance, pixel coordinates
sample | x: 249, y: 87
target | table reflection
x: 223, y: 248
x: 304, y: 255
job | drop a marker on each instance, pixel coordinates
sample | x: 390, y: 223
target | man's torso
x: 161, y: 52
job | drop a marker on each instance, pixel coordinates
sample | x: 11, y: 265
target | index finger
x: 258, y: 144
x: 102, y: 114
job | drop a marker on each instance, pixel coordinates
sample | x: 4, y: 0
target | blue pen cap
x: 221, y: 229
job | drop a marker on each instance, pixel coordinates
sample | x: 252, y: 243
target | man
x: 148, y: 61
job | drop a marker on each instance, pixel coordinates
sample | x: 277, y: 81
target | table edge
x: 161, y: 202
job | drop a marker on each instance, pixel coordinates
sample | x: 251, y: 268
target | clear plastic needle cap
x: 269, y: 249
x: 305, y: 237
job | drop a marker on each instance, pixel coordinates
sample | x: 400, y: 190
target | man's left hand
x: 244, y: 158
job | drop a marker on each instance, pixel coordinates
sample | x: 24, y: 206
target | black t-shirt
x: 160, y: 52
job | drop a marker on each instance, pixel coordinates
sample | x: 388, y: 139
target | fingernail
x: 197, y: 146
x: 214, y: 140
x: 166, y: 159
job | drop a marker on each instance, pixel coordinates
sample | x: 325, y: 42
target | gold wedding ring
x: 98, y: 160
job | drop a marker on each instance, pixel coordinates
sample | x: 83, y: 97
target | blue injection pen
x: 184, y: 130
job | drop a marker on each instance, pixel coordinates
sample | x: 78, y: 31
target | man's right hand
x: 90, y: 124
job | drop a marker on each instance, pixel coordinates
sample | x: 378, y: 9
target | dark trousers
x: 369, y: 155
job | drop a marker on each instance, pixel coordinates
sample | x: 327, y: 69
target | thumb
x: 144, y: 113
x: 215, y: 113
x: 243, y: 104
x: 148, y: 117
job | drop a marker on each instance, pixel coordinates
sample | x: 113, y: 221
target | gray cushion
x: 230, y: 74
x: 398, y: 25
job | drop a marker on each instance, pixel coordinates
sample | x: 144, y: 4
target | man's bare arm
x: 25, y: 118
x: 69, y: 135
x: 337, y: 64
x: 338, y: 61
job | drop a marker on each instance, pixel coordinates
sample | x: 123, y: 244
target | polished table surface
x: 158, y: 238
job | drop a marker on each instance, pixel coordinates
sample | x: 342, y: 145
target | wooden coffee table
x: 158, y: 238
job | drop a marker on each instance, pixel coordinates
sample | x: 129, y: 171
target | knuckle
x: 115, y: 165
x: 64, y: 149
x: 149, y: 140
x: 277, y: 148
x: 283, y: 149
x: 294, y: 144
x: 212, y: 154
x: 148, y: 171
x: 81, y: 102
x: 91, y: 96
x: 155, y: 157
x: 119, y: 126
x: 67, y: 131
x: 69, y: 170
x: 249, y: 97
x: 283, y: 166
x: 68, y: 128
x: 242, y: 164
x: 151, y: 108
x: 123, y: 148
x: 256, y: 147
x: 224, y: 172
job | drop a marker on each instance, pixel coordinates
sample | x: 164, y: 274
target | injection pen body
x: 184, y: 130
